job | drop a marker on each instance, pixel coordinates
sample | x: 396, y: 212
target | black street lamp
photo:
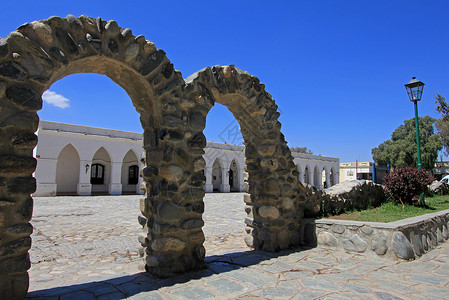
x: 414, y: 90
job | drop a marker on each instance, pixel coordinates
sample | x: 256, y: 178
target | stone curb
x: 404, y: 239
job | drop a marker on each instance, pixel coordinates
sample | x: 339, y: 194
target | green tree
x: 442, y: 125
x: 301, y: 150
x: 401, y: 150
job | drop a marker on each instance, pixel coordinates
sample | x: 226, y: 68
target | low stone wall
x: 342, y: 197
x: 405, y: 239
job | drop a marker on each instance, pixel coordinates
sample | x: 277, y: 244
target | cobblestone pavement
x: 86, y: 248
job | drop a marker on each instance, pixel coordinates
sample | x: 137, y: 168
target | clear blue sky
x: 335, y: 68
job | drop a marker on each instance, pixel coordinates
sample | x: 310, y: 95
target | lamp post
x: 414, y: 90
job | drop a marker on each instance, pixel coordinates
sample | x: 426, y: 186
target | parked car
x: 445, y: 179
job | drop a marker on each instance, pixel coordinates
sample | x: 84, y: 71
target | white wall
x: 117, y: 150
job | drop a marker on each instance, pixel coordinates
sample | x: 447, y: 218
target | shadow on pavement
x: 130, y: 285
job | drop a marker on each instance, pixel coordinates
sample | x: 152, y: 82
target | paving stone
x: 192, y: 292
x: 347, y: 295
x: 103, y: 289
x: 112, y: 296
x: 317, y: 284
x: 253, y: 277
x: 220, y: 267
x: 392, y: 285
x: 77, y: 295
x: 153, y: 295
x: 358, y: 289
x: 309, y: 294
x: 436, y: 280
x: 387, y: 296
x: 279, y: 292
x: 226, y: 286
x: 90, y: 243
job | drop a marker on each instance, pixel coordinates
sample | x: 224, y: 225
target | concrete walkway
x: 108, y: 268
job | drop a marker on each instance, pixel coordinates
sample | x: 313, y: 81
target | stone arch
x: 36, y: 55
x: 172, y: 113
x: 67, y: 170
x: 272, y: 187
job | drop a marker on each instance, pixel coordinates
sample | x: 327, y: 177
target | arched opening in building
x: 307, y: 175
x: 67, y: 171
x: 130, y: 173
x: 234, y: 176
x: 323, y: 182
x: 100, y: 172
x: 331, y: 177
x: 217, y: 175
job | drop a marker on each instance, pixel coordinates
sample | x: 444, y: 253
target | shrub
x: 405, y: 183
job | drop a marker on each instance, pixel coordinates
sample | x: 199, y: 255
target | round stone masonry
x: 172, y: 113
x: 405, y: 239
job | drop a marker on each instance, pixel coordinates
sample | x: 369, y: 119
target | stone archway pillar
x: 84, y: 187
x: 224, y: 186
x: 208, y: 187
x: 115, y: 187
x: 311, y: 177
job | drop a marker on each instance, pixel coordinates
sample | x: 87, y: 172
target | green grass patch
x: 390, y: 212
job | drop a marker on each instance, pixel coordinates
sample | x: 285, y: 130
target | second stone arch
x: 274, y: 196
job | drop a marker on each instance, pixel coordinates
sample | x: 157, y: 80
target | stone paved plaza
x: 87, y: 248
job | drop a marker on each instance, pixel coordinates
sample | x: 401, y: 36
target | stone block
x: 338, y: 228
x: 171, y: 172
x: 25, y: 97
x: 18, y: 246
x: 21, y: 185
x: 20, y: 229
x: 266, y: 150
x: 167, y: 244
x: 192, y: 224
x: 416, y: 243
x: 444, y: 232
x: 249, y: 240
x: 197, y: 238
x: 366, y: 229
x: 379, y: 244
x: 268, y: 212
x: 170, y: 212
x: 327, y: 239
x: 15, y: 264
x: 14, y: 286
x: 439, y: 236
x: 402, y: 247
x: 355, y: 244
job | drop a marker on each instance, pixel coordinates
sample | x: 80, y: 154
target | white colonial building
x: 82, y: 160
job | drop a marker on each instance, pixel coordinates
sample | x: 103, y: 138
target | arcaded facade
x: 82, y: 160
